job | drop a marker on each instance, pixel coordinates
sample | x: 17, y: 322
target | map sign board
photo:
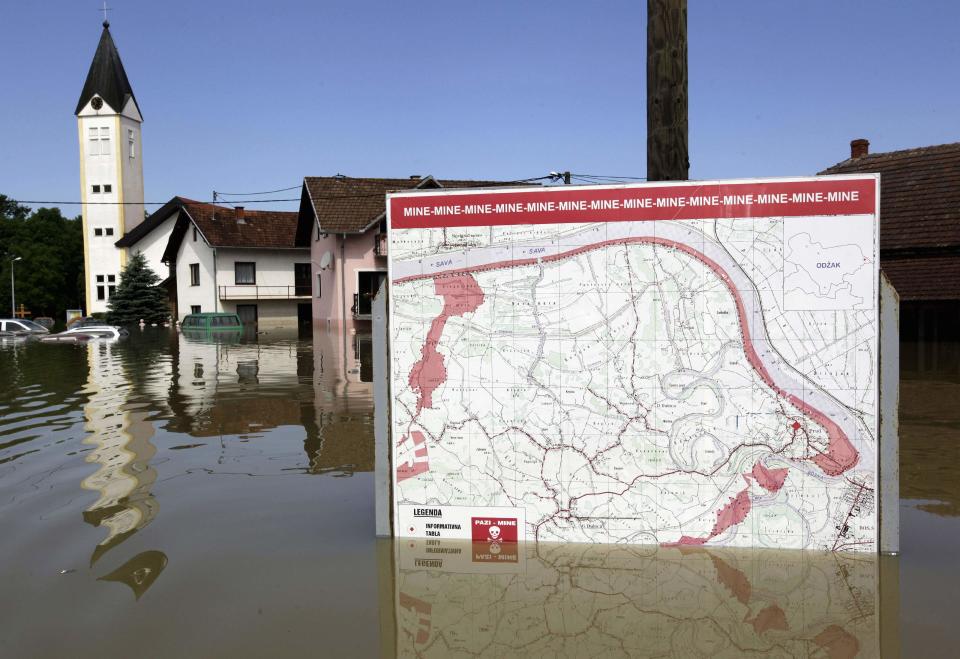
x: 670, y: 363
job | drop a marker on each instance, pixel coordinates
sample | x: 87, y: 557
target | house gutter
x: 343, y: 293
x: 216, y: 288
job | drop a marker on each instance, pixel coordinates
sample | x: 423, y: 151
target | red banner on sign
x: 823, y: 196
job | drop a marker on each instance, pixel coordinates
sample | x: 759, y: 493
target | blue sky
x: 254, y: 95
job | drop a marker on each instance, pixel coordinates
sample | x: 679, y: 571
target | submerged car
x: 87, y: 333
x: 22, y: 327
x: 211, y: 322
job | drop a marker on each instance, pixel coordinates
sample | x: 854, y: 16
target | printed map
x: 676, y: 380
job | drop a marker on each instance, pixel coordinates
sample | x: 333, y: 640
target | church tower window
x: 131, y: 144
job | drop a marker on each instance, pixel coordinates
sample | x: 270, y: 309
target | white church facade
x: 111, y: 173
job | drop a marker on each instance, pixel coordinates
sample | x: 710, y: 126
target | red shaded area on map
x: 769, y: 479
x: 769, y: 618
x: 422, y: 610
x: 461, y: 294
x: 730, y: 515
x: 419, y: 464
x: 838, y: 642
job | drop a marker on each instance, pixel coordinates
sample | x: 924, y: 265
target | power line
x: 246, y: 194
x: 248, y: 201
x: 612, y: 178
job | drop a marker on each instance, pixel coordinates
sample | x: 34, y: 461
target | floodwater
x: 165, y: 496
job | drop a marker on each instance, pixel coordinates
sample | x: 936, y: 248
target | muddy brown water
x: 164, y: 496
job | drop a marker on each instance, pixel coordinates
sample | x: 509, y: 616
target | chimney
x: 238, y: 215
x: 859, y: 148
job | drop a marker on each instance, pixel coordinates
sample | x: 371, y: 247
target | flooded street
x: 163, y: 496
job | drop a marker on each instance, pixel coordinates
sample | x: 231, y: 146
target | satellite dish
x: 326, y: 260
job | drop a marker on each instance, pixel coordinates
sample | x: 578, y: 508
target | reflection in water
x: 122, y: 451
x: 453, y: 599
x: 139, y: 572
x: 930, y: 426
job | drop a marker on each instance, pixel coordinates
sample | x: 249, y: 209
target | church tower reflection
x: 121, y: 439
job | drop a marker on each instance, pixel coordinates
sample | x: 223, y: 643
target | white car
x: 22, y: 327
x: 87, y: 333
x: 99, y: 331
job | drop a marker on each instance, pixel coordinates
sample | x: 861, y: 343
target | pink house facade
x: 343, y: 221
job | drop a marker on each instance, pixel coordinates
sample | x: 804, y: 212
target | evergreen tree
x: 138, y: 296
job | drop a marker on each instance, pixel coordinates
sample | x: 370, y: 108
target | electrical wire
x: 248, y: 194
x: 611, y: 178
x: 247, y: 201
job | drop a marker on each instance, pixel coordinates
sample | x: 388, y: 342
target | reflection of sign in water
x: 689, y: 364
x: 587, y: 601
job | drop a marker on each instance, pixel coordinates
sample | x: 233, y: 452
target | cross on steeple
x: 105, y: 9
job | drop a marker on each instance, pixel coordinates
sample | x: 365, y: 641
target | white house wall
x: 204, y: 295
x: 275, y: 274
x: 153, y: 245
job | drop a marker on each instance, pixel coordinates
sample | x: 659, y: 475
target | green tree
x: 138, y: 296
x: 49, y: 275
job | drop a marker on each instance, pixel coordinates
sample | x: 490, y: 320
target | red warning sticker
x: 494, y: 529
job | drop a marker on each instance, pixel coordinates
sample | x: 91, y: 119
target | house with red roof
x: 231, y: 259
x: 342, y: 220
x: 919, y: 234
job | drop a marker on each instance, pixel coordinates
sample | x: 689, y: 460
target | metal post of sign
x: 889, y: 447
x: 381, y: 427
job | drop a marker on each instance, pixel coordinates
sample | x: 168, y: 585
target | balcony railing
x: 380, y: 246
x: 362, y: 307
x: 254, y: 292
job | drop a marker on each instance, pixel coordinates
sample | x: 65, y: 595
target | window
x: 109, y: 232
x: 99, y: 279
x: 100, y: 293
x: 98, y: 232
x: 319, y: 282
x: 94, y: 146
x: 195, y: 275
x: 194, y: 308
x: 111, y: 290
x: 244, y: 272
x: 96, y: 189
x: 301, y: 279
x: 99, y: 141
x: 111, y: 278
x: 194, y: 234
x: 131, y: 144
x: 108, y: 188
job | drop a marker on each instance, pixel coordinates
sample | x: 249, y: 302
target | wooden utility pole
x: 667, y: 155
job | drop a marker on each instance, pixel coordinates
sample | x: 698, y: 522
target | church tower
x: 111, y: 170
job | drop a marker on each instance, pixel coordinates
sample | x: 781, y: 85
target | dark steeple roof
x: 106, y: 78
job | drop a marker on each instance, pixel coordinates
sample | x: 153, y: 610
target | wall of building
x: 96, y: 168
x: 124, y: 207
x: 274, y: 267
x: 204, y: 295
x: 154, y: 243
x: 351, y: 254
x: 275, y: 278
x: 131, y: 170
